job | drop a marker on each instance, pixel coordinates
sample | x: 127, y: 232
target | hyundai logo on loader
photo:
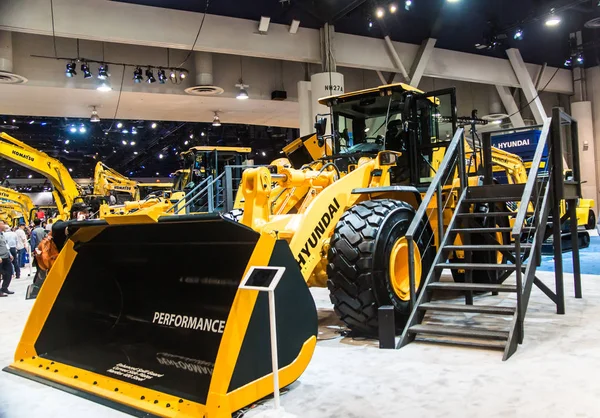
x: 25, y: 156
x: 317, y: 233
x: 513, y: 144
x: 192, y: 322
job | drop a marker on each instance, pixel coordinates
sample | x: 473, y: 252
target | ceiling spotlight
x: 124, y: 131
x: 72, y: 129
x: 70, y: 72
x: 370, y: 24
x: 94, y: 118
x: 552, y: 19
x: 380, y: 12
x: 518, y: 36
x: 67, y: 142
x: 132, y: 143
x: 134, y: 131
x: 580, y: 59
x: 119, y: 125
x: 150, y: 76
x: 202, y: 133
x: 153, y: 125
x: 85, y: 69
x: 182, y: 75
x: 137, y: 75
x: 191, y: 136
x: 104, y: 86
x: 82, y: 130
x: 242, y: 94
x: 103, y: 72
x: 124, y: 142
x: 264, y: 154
x: 216, y: 120
x: 70, y: 169
x: 29, y: 176
x: 157, y: 173
x: 162, y: 77
x: 160, y: 156
x: 173, y: 75
x: 134, y: 153
x: 394, y: 8
x: 186, y: 142
x: 31, y: 122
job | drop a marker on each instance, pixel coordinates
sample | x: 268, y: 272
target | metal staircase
x: 489, y: 248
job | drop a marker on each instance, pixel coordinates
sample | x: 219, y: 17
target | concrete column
x: 593, y: 94
x: 204, y: 68
x: 6, y: 53
x: 305, y: 102
x: 323, y: 85
x: 582, y: 112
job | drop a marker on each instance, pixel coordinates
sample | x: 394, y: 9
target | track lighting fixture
x: 85, y: 69
x: 216, y: 120
x: 173, y: 75
x: 70, y: 72
x: 182, y: 74
x: 150, y: 76
x: 94, y: 118
x: 103, y: 72
x: 137, y: 75
x: 162, y: 77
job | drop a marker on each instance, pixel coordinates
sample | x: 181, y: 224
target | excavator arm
x: 64, y: 188
x: 107, y: 180
x: 24, y: 201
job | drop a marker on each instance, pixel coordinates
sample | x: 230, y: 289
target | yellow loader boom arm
x: 107, y: 180
x: 64, y: 188
x: 10, y: 195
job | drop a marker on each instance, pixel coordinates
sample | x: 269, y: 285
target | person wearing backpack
x: 6, y: 267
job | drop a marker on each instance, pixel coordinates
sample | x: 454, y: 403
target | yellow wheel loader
x: 144, y: 312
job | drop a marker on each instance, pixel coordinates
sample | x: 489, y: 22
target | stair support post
x: 519, y: 279
x: 571, y: 204
x: 411, y: 269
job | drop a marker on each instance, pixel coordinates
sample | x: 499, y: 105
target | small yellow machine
x: 108, y: 181
x: 22, y: 200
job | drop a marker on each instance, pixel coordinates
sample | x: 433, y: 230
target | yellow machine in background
x: 12, y: 213
x: 22, y: 200
x: 64, y: 189
x: 108, y: 181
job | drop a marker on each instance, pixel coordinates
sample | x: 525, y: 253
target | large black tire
x: 358, y: 276
x: 487, y: 257
x: 591, y: 221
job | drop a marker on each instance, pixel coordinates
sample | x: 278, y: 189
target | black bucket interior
x: 147, y: 304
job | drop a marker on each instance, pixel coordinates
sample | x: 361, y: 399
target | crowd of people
x: 16, y: 244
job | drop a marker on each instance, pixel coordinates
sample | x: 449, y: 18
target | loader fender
x: 148, y: 317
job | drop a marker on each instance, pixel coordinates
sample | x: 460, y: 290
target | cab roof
x: 381, y: 90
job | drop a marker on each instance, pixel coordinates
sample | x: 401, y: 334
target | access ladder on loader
x: 500, y: 246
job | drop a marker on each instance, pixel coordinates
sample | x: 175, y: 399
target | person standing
x: 21, y: 244
x: 6, y: 267
x: 37, y: 235
x: 11, y: 241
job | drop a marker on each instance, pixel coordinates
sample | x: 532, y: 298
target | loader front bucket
x: 148, y: 317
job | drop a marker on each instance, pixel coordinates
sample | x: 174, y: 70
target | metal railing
x: 233, y: 178
x: 455, y: 155
x: 202, y: 187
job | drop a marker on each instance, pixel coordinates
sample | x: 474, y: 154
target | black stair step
x: 485, y: 214
x: 492, y: 199
x: 491, y: 230
x: 478, y: 266
x: 465, y: 332
x: 484, y: 247
x: 442, y: 340
x: 483, y: 309
x: 476, y: 287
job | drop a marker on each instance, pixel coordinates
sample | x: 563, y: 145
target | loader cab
x: 396, y: 118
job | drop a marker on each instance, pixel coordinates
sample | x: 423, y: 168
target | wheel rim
x: 398, y: 269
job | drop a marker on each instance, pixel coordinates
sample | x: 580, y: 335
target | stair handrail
x: 531, y: 180
x: 456, y: 146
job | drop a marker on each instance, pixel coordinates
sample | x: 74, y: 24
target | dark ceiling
x: 457, y: 25
x: 134, y: 155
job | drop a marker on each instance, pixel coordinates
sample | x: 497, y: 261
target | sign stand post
x: 265, y: 279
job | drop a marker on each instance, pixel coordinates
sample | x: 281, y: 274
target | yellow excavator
x: 12, y: 213
x: 110, y: 182
x: 64, y: 189
x: 22, y: 200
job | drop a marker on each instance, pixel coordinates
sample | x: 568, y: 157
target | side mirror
x: 321, y: 126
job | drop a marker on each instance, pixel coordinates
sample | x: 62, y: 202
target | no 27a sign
x: 334, y: 87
